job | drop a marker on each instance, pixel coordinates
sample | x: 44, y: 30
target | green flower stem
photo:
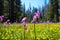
x: 34, y: 31
x: 24, y: 33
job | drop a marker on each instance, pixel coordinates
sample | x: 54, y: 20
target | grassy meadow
x: 41, y: 32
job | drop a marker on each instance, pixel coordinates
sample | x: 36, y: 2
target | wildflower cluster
x: 1, y: 18
x: 7, y: 22
x: 37, y: 15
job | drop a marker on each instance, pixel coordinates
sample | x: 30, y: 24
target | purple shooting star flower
x: 24, y: 19
x: 7, y: 22
x: 24, y: 23
x: 1, y: 18
x: 34, y: 17
x: 38, y: 14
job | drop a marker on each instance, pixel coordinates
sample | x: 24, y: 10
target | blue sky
x: 34, y: 3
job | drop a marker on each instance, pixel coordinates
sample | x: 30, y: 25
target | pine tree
x: 54, y: 16
x: 1, y: 7
x: 15, y: 10
x: 19, y: 10
x: 5, y: 9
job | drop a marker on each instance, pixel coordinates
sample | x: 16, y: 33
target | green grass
x: 42, y: 32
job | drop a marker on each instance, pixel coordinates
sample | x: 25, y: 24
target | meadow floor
x: 42, y: 31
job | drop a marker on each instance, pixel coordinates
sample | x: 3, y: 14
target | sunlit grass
x: 43, y: 32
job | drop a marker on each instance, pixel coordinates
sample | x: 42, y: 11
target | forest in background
x: 15, y: 11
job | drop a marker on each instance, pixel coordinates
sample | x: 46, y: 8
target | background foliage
x: 13, y: 10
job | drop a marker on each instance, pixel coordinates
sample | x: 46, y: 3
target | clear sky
x: 34, y: 3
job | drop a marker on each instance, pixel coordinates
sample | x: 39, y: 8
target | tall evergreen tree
x: 23, y: 9
x: 11, y: 11
x: 15, y: 10
x: 19, y: 10
x: 5, y: 9
x: 48, y: 12
x: 54, y: 11
x: 42, y: 13
x: 1, y: 7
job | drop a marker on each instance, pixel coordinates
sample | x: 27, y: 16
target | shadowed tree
x: 11, y: 10
x: 54, y: 16
x: 23, y: 10
x: 19, y: 10
x: 1, y: 7
x: 15, y: 10
x: 5, y: 9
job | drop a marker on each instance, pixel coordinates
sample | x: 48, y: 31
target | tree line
x: 15, y: 11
